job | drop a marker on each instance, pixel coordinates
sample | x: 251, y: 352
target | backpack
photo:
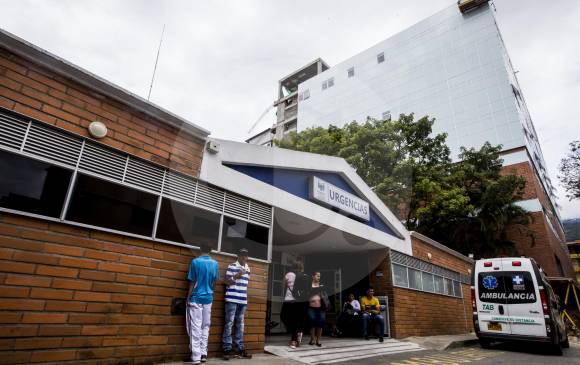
x: 302, y: 285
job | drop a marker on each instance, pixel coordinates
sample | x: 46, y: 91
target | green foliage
x: 466, y: 205
x: 570, y: 171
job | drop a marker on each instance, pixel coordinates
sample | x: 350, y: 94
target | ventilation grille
x: 260, y: 213
x: 144, y: 175
x: 51, y: 144
x: 209, y: 197
x: 414, y: 263
x: 103, y: 161
x: 13, y: 131
x: 58, y: 146
x: 180, y: 187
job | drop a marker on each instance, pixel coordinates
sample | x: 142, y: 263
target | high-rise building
x: 452, y: 66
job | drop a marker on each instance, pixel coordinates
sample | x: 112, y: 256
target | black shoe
x: 203, y: 358
x: 367, y: 338
x: 243, y: 355
x: 380, y: 340
x: 227, y: 354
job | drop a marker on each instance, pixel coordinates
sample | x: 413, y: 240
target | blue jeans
x: 234, y: 316
x: 373, y: 318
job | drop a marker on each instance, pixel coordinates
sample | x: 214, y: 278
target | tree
x: 570, y: 171
x: 412, y: 173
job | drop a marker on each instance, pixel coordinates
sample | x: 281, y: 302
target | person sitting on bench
x: 371, y: 311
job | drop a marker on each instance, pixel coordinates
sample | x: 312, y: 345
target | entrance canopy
x: 319, y: 201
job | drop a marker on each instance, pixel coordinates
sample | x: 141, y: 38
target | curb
x: 461, y: 343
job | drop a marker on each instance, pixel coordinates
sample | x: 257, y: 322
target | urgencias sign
x: 326, y: 193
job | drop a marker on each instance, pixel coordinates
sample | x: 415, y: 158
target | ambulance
x: 512, y: 300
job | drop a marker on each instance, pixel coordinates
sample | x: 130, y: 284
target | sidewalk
x: 444, y: 341
x: 257, y: 359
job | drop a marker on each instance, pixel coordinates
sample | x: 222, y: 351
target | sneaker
x: 203, y: 358
x: 227, y: 354
x: 243, y: 355
x: 292, y: 344
x: 381, y: 339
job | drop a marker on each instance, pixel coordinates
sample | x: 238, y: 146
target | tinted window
x: 400, y: 275
x: 428, y: 282
x: 32, y: 186
x: 415, y: 279
x: 439, y: 285
x: 183, y: 223
x: 237, y: 233
x: 105, y: 204
x: 508, y: 287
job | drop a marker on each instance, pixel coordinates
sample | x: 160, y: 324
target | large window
x: 237, y: 233
x: 101, y: 203
x: 183, y: 223
x: 411, y: 273
x: 32, y: 186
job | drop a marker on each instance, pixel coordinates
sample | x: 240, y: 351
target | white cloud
x: 221, y: 60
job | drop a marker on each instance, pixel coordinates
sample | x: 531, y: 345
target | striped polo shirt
x: 238, y: 292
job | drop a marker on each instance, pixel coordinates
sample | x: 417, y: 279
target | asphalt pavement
x: 505, y: 353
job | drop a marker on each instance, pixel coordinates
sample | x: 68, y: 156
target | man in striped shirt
x: 237, y: 279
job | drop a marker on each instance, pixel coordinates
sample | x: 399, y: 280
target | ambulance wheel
x: 566, y: 343
x: 557, y: 347
x: 485, y: 344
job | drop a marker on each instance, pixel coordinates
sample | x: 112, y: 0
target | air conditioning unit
x: 468, y: 5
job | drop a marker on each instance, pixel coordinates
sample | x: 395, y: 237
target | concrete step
x: 339, y: 350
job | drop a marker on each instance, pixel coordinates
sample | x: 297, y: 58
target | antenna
x: 156, y: 60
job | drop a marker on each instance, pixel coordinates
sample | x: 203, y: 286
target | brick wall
x: 417, y: 313
x: 80, y: 296
x: 539, y: 240
x: 36, y: 92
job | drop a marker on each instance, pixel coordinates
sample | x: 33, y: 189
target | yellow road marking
x: 450, y: 358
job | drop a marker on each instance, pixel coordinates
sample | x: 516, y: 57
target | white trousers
x: 198, y: 318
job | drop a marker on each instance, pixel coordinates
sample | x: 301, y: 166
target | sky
x: 220, y: 61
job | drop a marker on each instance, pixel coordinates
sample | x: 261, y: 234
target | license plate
x: 494, y: 326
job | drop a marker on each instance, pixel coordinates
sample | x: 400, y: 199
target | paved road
x: 507, y: 354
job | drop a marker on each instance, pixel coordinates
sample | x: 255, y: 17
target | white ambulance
x: 512, y: 300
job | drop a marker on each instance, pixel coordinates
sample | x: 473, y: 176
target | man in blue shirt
x: 203, y: 273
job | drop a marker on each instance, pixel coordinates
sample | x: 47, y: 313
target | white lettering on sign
x: 520, y: 296
x: 327, y: 193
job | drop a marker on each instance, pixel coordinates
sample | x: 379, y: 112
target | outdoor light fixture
x: 98, y: 130
x: 429, y: 255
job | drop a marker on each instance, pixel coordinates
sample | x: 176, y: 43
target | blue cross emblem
x: 517, y: 279
x: 490, y: 282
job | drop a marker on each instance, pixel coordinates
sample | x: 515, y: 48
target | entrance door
x: 276, y: 296
x: 332, y: 281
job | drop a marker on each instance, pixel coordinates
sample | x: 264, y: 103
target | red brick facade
x: 544, y: 238
x: 418, y: 313
x: 36, y: 92
x: 79, y: 296
x: 82, y: 296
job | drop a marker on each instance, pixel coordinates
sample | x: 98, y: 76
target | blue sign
x: 490, y: 282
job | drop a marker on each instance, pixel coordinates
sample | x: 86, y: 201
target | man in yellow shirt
x: 371, y: 309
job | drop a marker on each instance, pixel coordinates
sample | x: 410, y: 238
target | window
x: 457, y: 289
x: 428, y: 282
x: 183, y: 223
x: 237, y: 233
x: 350, y: 72
x: 439, y: 286
x: 32, y: 186
x: 104, y: 204
x: 387, y: 115
x: 448, y: 286
x: 415, y: 279
x: 381, y: 57
x: 328, y: 83
x: 400, y: 275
